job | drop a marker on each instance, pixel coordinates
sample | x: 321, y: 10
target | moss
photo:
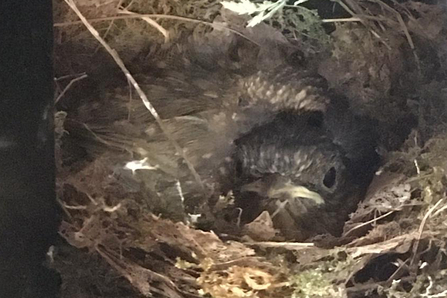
x: 325, y: 279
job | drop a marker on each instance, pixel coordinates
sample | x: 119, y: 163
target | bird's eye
x: 330, y: 177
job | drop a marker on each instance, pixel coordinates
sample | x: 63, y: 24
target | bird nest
x: 118, y: 241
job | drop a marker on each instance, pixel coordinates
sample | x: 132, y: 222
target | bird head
x: 318, y: 176
x: 287, y: 158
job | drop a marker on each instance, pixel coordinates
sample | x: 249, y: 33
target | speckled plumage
x: 277, y: 159
x: 290, y: 147
x: 216, y: 108
x: 284, y: 89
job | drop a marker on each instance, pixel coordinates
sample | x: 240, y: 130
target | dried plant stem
x: 140, y: 92
x: 156, y: 16
x: 132, y: 16
x: 150, y: 21
x: 111, y: 24
x: 342, y: 20
x: 368, y: 222
x: 362, y: 20
x: 142, y: 280
x: 421, y: 229
x: 83, y: 76
x: 404, y: 29
x: 286, y: 245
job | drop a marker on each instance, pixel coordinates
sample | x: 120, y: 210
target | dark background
x: 28, y: 213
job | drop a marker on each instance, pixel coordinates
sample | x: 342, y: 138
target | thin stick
x: 110, y: 27
x: 287, y: 245
x: 398, y: 270
x: 133, y: 16
x: 155, y: 16
x: 421, y: 229
x: 68, y: 87
x: 150, y: 21
x: 368, y: 222
x: 68, y: 76
x: 404, y: 28
x: 354, y: 14
x: 439, y: 211
x: 341, y: 20
x: 140, y: 92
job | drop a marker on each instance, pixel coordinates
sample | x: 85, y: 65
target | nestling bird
x: 317, y: 169
x: 277, y: 133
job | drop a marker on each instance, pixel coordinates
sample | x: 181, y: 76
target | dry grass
x: 394, y: 245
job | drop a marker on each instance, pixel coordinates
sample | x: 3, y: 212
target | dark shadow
x: 28, y: 212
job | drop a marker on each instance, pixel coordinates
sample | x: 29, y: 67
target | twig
x: 416, y: 165
x: 141, y: 277
x: 150, y: 21
x: 239, y: 216
x: 129, y: 109
x: 346, y: 7
x: 105, y: 142
x: 352, y: 19
x: 421, y: 229
x: 73, y: 207
x: 156, y: 16
x: 138, y: 276
x: 368, y: 222
x: 354, y: 14
x: 68, y: 87
x: 68, y: 76
x: 398, y: 270
x: 110, y: 25
x: 62, y: 204
x: 133, y: 16
x: 286, y: 245
x: 439, y: 211
x: 403, y: 27
x: 140, y: 92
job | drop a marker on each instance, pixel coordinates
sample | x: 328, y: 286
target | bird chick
x: 216, y: 108
x: 293, y: 159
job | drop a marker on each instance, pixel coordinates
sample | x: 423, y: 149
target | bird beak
x: 280, y: 189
